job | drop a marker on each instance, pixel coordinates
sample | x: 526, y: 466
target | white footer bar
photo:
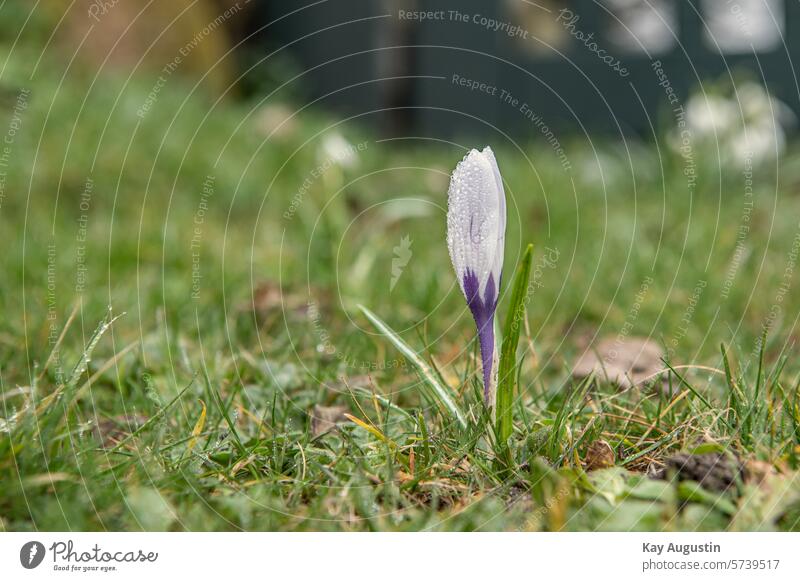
x: 399, y: 556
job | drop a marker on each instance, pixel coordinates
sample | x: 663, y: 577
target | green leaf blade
x: 507, y: 377
x: 439, y: 391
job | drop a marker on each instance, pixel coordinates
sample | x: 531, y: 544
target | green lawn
x: 233, y: 264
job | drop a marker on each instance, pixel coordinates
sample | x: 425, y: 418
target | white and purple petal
x: 476, y: 223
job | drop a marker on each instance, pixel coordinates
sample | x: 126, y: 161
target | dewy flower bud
x: 476, y: 229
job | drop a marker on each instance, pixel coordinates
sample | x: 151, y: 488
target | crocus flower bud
x: 476, y: 229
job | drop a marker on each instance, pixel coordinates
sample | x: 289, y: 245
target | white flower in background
x: 711, y: 113
x: 749, y: 124
x: 476, y: 229
x: 758, y: 143
x: 337, y: 148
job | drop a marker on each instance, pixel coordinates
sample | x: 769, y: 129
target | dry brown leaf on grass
x: 599, y: 455
x: 110, y: 431
x: 626, y: 362
x: 269, y: 298
x: 326, y: 418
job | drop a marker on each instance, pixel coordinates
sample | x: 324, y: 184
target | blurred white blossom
x: 338, y: 149
x: 748, y: 124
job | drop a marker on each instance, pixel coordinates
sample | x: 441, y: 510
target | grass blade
x: 689, y: 386
x: 439, y: 391
x: 154, y: 418
x: 507, y: 376
x: 198, y: 428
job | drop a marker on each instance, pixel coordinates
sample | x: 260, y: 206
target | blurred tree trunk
x: 193, y: 36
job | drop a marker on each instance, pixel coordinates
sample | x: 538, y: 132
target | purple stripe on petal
x: 483, y: 312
